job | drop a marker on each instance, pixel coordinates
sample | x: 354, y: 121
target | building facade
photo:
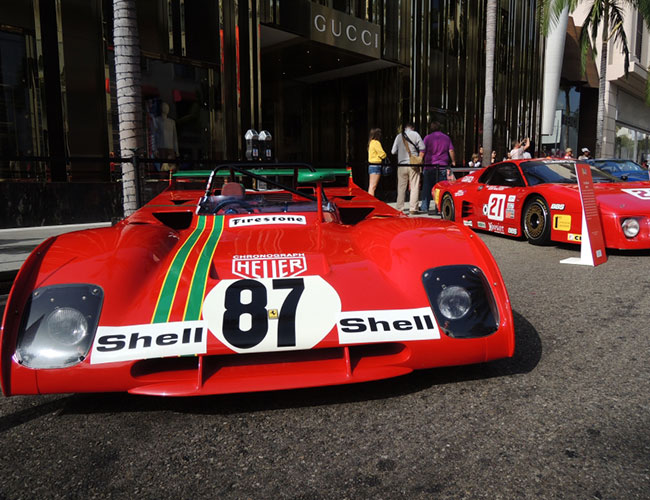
x: 316, y: 74
x: 627, y: 116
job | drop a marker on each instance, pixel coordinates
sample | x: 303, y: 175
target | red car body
x: 251, y: 295
x: 504, y: 198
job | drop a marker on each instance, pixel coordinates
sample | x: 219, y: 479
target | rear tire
x: 447, y: 209
x: 536, y: 223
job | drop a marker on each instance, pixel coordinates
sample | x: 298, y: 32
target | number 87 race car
x: 540, y: 199
x: 251, y: 283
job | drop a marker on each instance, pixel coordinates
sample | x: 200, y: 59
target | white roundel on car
x: 265, y: 315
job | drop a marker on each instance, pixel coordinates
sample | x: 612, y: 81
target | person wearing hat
x: 568, y: 154
x: 586, y: 154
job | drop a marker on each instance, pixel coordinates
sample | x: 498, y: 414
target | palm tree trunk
x: 602, y: 83
x: 129, y: 97
x: 488, y: 103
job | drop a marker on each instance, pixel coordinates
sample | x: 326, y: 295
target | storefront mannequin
x: 166, y: 140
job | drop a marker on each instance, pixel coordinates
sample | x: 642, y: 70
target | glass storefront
x: 20, y: 108
x: 316, y: 74
x: 632, y: 144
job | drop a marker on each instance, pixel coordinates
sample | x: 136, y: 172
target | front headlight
x: 462, y: 301
x: 58, y: 325
x: 630, y: 227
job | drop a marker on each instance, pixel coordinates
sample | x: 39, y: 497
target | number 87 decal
x: 268, y: 314
x: 235, y: 308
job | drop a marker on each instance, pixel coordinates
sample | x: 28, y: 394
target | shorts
x: 374, y: 169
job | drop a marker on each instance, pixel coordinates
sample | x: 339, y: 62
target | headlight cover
x: 631, y: 227
x: 58, y: 325
x: 462, y: 300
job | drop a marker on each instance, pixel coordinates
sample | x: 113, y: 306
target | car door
x: 498, y: 197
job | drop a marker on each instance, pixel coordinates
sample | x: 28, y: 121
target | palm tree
x: 488, y: 103
x: 129, y: 98
x: 609, y: 14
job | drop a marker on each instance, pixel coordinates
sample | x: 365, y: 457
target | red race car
x: 259, y: 279
x: 540, y: 200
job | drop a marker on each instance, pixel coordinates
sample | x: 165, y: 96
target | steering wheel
x: 241, y: 203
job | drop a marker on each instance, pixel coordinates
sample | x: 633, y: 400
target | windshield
x: 558, y: 172
x: 616, y: 166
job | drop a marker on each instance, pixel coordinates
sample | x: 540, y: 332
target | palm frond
x: 617, y: 32
x: 549, y: 12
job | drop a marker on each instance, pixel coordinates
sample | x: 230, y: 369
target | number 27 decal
x: 271, y: 314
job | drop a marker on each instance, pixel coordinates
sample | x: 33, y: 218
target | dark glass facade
x: 316, y: 74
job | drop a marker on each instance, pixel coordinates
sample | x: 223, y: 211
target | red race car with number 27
x: 252, y: 279
x: 540, y: 200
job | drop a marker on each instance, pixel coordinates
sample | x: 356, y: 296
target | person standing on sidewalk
x: 409, y: 148
x: 438, y: 155
x: 375, y: 155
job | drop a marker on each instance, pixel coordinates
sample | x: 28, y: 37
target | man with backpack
x: 409, y: 148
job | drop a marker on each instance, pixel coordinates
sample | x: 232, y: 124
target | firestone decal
x: 640, y: 193
x: 262, y: 220
x: 156, y: 340
x: 266, y: 315
x: 269, y: 265
x: 356, y: 327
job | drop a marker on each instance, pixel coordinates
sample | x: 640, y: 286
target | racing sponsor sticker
x: 562, y: 222
x: 467, y: 178
x: 574, y: 237
x: 157, y: 340
x: 271, y: 314
x: 459, y: 193
x: 557, y: 206
x: 265, y: 220
x: 640, y: 193
x: 283, y: 265
x: 510, y: 214
x: 482, y: 225
x: 513, y: 231
x: 511, y: 198
x: 468, y: 223
x: 387, y: 326
x: 496, y: 228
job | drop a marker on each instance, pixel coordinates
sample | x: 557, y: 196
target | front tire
x: 536, y: 221
x: 447, y: 209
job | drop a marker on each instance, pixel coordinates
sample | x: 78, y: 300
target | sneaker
x: 414, y: 212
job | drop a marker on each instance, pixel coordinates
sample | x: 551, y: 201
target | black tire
x: 447, y: 209
x: 536, y: 221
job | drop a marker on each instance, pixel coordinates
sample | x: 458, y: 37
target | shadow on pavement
x: 528, y: 352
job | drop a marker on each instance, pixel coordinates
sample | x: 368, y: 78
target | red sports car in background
x: 540, y: 200
x: 250, y: 285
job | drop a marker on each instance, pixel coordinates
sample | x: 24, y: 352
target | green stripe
x: 195, y: 301
x: 173, y: 276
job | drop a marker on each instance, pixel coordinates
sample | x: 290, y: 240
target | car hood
x: 152, y: 273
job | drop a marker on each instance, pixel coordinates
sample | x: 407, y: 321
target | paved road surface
x: 568, y: 417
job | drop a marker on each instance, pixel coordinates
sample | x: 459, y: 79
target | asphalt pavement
x: 567, y: 417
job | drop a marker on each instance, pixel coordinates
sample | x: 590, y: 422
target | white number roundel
x: 266, y: 315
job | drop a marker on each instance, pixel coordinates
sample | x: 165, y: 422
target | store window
x: 19, y: 106
x: 182, y: 116
x: 632, y: 144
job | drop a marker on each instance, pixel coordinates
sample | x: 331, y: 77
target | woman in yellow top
x: 375, y: 155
